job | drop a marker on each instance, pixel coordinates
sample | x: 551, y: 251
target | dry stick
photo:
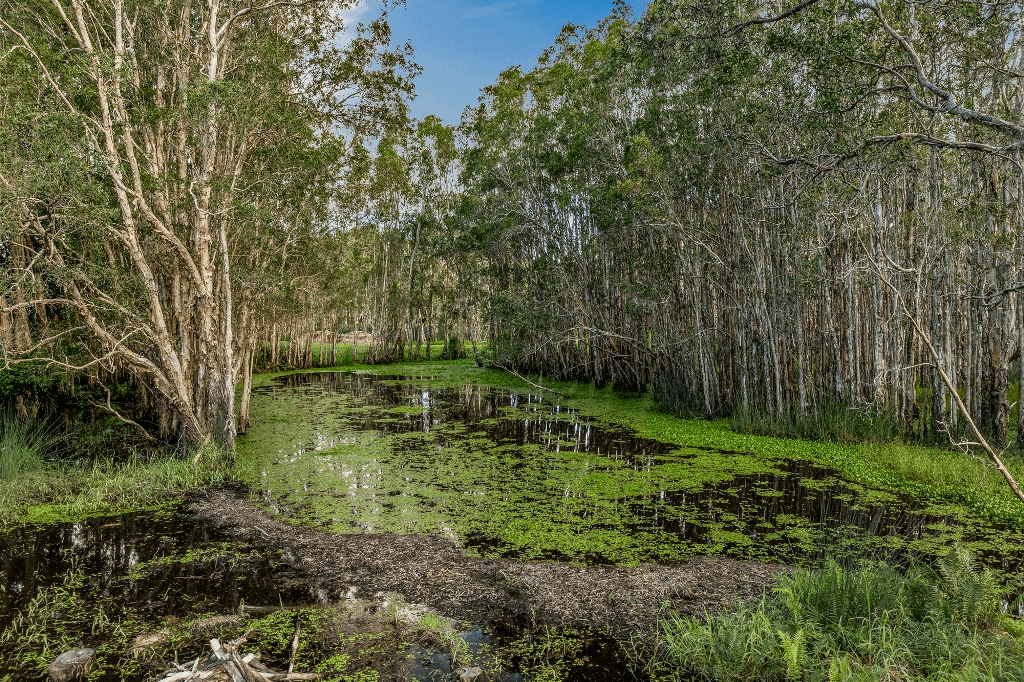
x: 522, y: 378
x: 949, y: 384
x: 242, y: 639
x: 295, y: 646
x: 248, y: 674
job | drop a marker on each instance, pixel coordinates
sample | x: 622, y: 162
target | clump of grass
x: 832, y: 422
x: 65, y: 492
x: 945, y: 469
x: 25, y: 445
x: 867, y: 622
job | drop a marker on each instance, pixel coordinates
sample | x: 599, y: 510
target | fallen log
x: 247, y: 608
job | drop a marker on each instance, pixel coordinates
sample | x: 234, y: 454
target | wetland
x: 415, y: 519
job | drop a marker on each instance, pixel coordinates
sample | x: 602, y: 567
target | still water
x: 510, y: 473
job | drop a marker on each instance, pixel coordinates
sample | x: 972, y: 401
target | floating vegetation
x: 508, y: 472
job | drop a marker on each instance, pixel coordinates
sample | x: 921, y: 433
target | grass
x: 829, y: 422
x: 68, y: 492
x: 945, y: 469
x: 24, y: 445
x: 857, y: 622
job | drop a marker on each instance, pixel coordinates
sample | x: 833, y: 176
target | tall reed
x: 834, y: 422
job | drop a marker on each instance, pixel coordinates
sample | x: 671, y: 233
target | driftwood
x: 246, y: 608
x: 225, y: 659
x: 522, y: 378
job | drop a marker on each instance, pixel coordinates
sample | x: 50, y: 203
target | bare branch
x: 949, y: 101
x: 770, y: 20
x: 108, y: 407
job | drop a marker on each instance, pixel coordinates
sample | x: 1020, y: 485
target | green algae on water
x: 505, y: 471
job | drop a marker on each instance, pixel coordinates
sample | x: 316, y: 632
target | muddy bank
x: 432, y: 570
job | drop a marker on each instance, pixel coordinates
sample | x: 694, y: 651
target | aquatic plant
x: 871, y: 621
x: 25, y: 444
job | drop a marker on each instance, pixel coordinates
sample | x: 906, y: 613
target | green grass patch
x: 858, y: 622
x: 25, y: 445
x: 70, y: 492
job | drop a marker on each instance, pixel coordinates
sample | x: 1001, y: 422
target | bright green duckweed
x: 453, y: 449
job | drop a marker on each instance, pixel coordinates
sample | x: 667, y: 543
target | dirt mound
x: 433, y: 571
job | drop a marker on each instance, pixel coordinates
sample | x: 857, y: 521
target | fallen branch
x: 295, y: 646
x: 936, y: 361
x: 522, y: 378
x: 108, y: 407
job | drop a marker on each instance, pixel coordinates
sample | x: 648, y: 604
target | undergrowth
x: 831, y: 422
x: 69, y: 491
x: 25, y: 444
x: 870, y: 621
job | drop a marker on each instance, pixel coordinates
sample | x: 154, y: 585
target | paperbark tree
x: 194, y: 125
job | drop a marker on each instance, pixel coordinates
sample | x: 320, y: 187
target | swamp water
x: 101, y: 582
x: 502, y: 472
x: 514, y: 474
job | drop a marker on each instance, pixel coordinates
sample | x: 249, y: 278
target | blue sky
x: 463, y: 45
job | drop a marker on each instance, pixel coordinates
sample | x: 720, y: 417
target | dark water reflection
x: 128, y: 559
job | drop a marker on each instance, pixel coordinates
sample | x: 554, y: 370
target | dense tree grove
x: 745, y: 207
x: 161, y: 159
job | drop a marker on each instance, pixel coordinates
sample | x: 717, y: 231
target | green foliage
x: 832, y: 422
x: 29, y: 380
x: 866, y: 621
x: 454, y: 349
x: 25, y: 445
